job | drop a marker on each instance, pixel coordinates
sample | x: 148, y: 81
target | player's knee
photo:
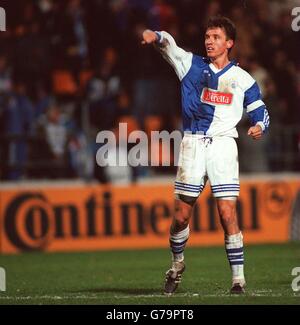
x: 181, y: 221
x: 182, y: 215
x: 190, y: 200
x: 227, y: 212
x: 183, y: 211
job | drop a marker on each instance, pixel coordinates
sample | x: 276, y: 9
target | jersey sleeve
x: 180, y: 59
x: 255, y: 107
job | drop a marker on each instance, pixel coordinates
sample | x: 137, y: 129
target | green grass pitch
x: 136, y: 277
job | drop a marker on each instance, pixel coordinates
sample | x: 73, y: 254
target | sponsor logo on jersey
x: 215, y: 97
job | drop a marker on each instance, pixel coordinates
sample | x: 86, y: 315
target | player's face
x: 216, y: 43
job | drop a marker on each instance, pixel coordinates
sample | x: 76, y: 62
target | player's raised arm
x: 180, y: 59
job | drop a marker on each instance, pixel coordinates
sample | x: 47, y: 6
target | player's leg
x: 223, y: 174
x: 179, y: 230
x: 233, y: 242
x: 228, y: 215
x: 179, y: 235
x: 188, y: 186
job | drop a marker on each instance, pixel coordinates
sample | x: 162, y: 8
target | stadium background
x: 69, y: 69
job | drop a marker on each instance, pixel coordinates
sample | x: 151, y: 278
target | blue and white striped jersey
x: 213, y: 100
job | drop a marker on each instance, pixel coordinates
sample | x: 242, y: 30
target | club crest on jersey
x: 210, y: 96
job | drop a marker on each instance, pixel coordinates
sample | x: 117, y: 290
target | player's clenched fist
x: 255, y: 132
x: 149, y: 37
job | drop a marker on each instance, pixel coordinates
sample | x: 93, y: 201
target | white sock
x: 235, y: 255
x: 177, y: 243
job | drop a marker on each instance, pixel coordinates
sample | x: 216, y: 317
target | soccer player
x: 214, y: 93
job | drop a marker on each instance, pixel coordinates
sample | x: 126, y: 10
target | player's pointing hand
x: 255, y: 132
x: 149, y: 37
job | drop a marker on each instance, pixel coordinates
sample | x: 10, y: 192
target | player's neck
x: 220, y: 62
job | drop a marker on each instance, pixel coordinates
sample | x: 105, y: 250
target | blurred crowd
x: 71, y: 68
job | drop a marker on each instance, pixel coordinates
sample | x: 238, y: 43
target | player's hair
x: 225, y: 23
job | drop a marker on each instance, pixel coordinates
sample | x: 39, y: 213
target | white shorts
x: 203, y: 158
